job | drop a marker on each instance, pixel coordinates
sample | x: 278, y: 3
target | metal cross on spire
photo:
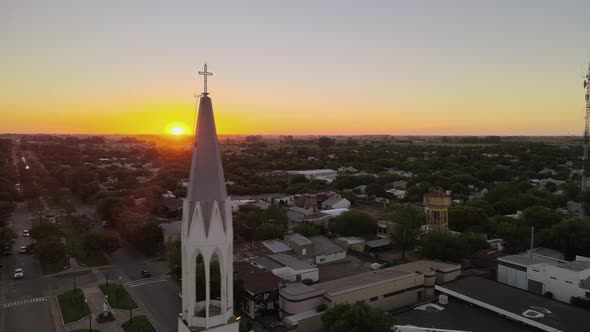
x: 205, y: 73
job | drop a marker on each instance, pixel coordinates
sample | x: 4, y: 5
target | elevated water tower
x: 436, y: 204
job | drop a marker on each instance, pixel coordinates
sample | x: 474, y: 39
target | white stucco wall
x: 288, y: 273
x: 323, y: 259
x: 512, y: 277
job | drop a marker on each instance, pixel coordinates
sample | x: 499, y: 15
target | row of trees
x: 251, y: 223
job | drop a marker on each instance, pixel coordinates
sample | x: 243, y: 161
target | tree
x: 375, y: 189
x: 269, y: 231
x: 452, y: 248
x: 6, y: 208
x: 571, y: 236
x: 50, y: 251
x: 540, y: 217
x: 147, y: 238
x: 175, y: 259
x: 110, y: 243
x: 109, y: 207
x: 353, y: 223
x: 462, y: 218
x: 358, y: 317
x: 275, y: 215
x: 406, y: 229
x: 306, y: 230
x: 7, y: 239
x: 100, y: 242
x: 325, y: 142
x: 46, y: 231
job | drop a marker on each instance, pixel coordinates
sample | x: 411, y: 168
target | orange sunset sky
x: 304, y: 67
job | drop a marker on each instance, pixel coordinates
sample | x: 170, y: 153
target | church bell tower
x: 207, y: 234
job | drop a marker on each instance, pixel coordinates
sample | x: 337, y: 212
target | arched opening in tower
x: 215, y: 284
x: 200, y: 287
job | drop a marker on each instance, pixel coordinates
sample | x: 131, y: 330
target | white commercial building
x: 512, y: 270
x: 559, y: 279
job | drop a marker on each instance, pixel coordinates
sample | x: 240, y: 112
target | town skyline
x: 395, y: 69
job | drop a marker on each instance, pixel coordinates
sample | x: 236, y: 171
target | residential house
x: 297, y: 214
x: 336, y: 202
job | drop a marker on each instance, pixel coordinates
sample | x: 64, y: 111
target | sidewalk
x: 96, y: 302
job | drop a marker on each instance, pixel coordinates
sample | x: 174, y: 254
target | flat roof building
x: 530, y: 309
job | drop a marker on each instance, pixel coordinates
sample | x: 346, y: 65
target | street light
x: 74, y: 285
x: 107, y: 275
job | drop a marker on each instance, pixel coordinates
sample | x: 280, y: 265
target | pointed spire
x: 207, y: 182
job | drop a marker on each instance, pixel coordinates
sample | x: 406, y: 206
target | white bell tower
x: 207, y: 234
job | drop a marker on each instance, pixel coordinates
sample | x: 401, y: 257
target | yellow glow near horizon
x: 176, y: 130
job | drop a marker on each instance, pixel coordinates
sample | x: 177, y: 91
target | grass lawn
x: 140, y: 324
x: 72, y: 306
x: 118, y: 296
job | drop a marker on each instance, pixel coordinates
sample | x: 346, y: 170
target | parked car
x: 19, y: 274
x: 146, y: 274
x: 26, y: 233
x: 23, y: 250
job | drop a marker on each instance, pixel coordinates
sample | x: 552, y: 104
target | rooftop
x: 423, y: 266
x: 526, y: 260
x: 276, y: 246
x: 378, y: 243
x: 335, y: 212
x: 303, y: 211
x: 458, y: 315
x: 298, y: 239
x: 363, y: 280
x: 297, y: 288
x: 351, y: 240
x: 526, y: 307
x: 281, y: 260
x: 323, y: 245
x: 333, y: 200
x: 576, y: 266
x: 261, y: 281
x: 547, y: 252
x: 248, y: 250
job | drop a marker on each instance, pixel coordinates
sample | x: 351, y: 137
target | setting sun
x: 177, y: 130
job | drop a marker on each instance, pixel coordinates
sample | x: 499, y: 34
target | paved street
x: 159, y: 297
x: 15, y: 314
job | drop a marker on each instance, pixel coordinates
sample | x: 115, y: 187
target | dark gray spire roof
x: 207, y: 182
